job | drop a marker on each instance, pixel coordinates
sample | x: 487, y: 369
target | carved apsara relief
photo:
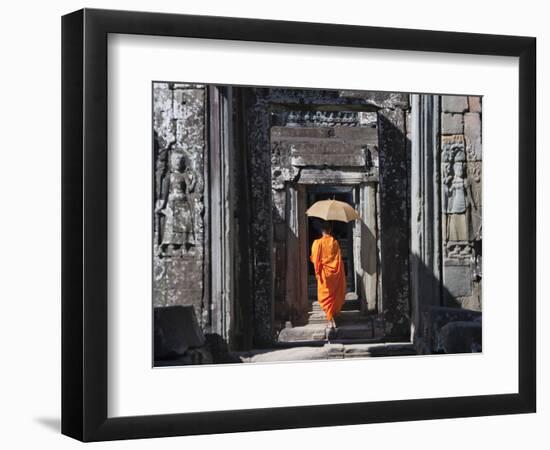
x: 179, y: 164
x: 459, y: 203
x: 174, y: 206
x: 178, y: 203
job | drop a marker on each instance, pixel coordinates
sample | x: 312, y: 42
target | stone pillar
x: 261, y: 239
x: 221, y: 211
x: 279, y: 255
x: 425, y: 258
x: 394, y: 222
x: 368, y: 253
x: 357, y: 266
x: 303, y: 248
x: 296, y: 267
x: 179, y: 123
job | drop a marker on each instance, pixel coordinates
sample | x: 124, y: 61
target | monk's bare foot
x: 330, y: 330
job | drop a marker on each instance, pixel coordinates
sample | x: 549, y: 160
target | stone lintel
x: 330, y: 176
x: 332, y: 134
x: 386, y: 100
x: 326, y: 148
x: 345, y: 160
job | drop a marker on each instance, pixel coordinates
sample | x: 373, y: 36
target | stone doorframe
x: 394, y: 303
x: 221, y: 206
x: 365, y: 236
x: 426, y: 256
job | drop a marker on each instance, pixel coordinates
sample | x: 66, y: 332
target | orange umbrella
x: 333, y: 210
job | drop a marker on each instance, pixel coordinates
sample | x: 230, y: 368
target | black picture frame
x: 84, y: 224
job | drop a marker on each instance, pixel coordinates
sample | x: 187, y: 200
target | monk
x: 330, y: 274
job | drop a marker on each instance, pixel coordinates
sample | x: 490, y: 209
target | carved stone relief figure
x: 458, y: 200
x: 174, y: 208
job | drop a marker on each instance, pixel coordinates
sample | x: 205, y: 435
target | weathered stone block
x: 474, y: 104
x: 472, y: 302
x: 457, y: 278
x: 356, y: 331
x: 219, y: 350
x: 334, y: 351
x: 434, y: 318
x: 379, y: 326
x: 357, y: 350
x: 454, y: 103
x: 183, y: 283
x: 452, y: 123
x: 176, y: 330
x: 331, y: 176
x: 380, y: 99
x: 461, y: 337
x: 327, y: 154
x: 472, y: 135
x: 200, y: 355
x: 314, y: 332
x: 357, y: 135
x: 393, y: 350
x: 329, y: 160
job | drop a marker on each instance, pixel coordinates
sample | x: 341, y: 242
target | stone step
x: 350, y: 304
x: 345, y: 317
x: 316, y: 332
x: 355, y: 331
x: 368, y: 341
x: 315, y: 306
x: 325, y: 350
x: 398, y: 349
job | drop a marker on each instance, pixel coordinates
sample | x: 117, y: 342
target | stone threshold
x: 331, y: 350
x: 322, y: 342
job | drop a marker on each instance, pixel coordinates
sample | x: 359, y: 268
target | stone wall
x: 178, y: 208
x: 461, y: 170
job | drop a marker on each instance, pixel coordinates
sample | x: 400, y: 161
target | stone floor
x: 329, y: 350
x: 356, y: 336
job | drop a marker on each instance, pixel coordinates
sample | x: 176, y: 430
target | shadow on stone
x: 176, y: 330
x: 461, y: 337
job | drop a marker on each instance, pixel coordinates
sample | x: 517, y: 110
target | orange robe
x: 330, y: 274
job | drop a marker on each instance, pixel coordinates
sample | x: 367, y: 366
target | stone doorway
x: 293, y: 140
x: 311, y: 162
